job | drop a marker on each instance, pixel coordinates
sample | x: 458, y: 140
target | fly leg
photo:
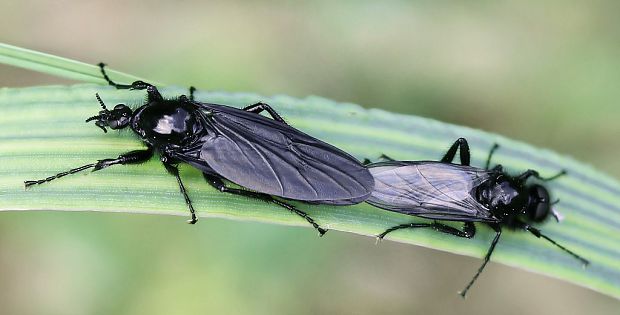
x: 527, y: 174
x: 174, y: 170
x: 219, y: 185
x: 493, y: 148
x: 536, y: 232
x: 152, y: 92
x: 487, y: 257
x: 463, y: 146
x: 260, y: 106
x: 387, y: 158
x: 191, y: 93
x: 382, y: 156
x: 468, y: 231
x: 132, y: 157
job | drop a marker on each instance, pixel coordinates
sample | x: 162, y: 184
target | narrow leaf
x: 43, y: 132
x: 54, y: 65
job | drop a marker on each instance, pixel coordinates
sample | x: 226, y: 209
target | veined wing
x: 270, y: 157
x: 430, y: 190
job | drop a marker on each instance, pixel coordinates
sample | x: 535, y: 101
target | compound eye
x: 122, y: 110
x: 539, y: 206
x: 120, y: 116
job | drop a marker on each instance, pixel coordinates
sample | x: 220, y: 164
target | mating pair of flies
x: 275, y: 162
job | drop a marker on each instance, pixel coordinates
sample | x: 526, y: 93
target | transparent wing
x: 267, y: 156
x: 431, y: 190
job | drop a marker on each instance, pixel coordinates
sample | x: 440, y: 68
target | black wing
x: 270, y: 157
x: 431, y: 190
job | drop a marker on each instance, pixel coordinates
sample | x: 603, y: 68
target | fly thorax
x: 503, y: 198
x: 167, y: 122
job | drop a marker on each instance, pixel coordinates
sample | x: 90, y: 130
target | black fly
x: 266, y: 156
x: 452, y: 192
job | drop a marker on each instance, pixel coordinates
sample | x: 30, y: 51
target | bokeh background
x: 545, y: 73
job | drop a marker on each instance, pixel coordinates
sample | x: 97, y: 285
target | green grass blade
x: 58, y: 66
x: 43, y: 132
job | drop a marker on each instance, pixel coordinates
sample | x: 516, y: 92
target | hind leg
x: 219, y: 185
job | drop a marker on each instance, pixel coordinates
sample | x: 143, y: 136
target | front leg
x: 529, y: 173
x: 152, y: 92
x: 260, y: 106
x: 132, y: 157
x: 538, y: 233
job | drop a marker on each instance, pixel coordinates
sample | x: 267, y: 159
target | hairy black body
x: 459, y: 192
x: 266, y: 156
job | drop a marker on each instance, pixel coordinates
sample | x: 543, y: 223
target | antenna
x: 100, y: 101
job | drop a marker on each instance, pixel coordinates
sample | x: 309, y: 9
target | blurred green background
x: 545, y: 73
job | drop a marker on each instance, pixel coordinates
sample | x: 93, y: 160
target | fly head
x: 538, y: 205
x: 117, y: 118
